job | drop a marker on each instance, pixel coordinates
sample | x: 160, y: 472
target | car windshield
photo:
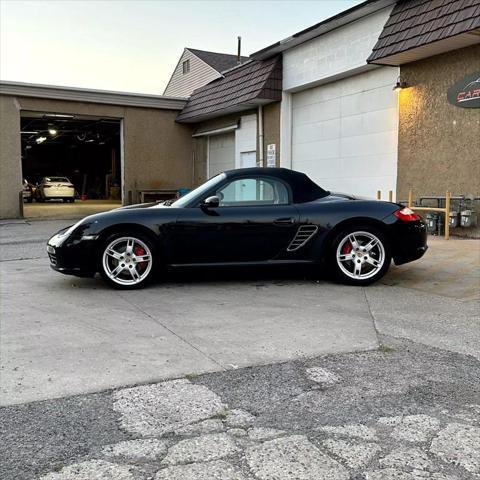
x: 199, y: 191
x: 57, y: 179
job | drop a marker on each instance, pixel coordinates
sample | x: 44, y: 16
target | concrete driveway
x: 63, y: 336
x: 57, y: 209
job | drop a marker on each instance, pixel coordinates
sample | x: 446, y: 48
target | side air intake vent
x: 304, y: 234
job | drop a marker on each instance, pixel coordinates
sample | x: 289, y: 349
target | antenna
x: 239, y: 50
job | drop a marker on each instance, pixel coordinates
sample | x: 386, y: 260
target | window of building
x: 186, y: 66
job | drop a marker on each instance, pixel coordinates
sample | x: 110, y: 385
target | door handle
x: 284, y: 221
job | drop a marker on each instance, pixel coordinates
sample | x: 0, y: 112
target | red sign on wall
x: 466, y: 92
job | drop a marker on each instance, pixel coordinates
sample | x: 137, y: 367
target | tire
x: 71, y: 200
x: 29, y: 200
x: 119, y: 265
x: 360, y: 255
x: 65, y: 200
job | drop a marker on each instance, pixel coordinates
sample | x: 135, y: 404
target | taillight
x: 407, y: 215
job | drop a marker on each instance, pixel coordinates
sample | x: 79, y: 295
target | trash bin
x: 183, y: 191
x: 468, y: 218
x: 453, y: 219
x: 440, y: 225
x: 431, y: 220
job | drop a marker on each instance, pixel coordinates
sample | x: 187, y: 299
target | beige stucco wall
x: 157, y: 150
x: 271, y: 129
x: 439, y: 144
x: 10, y: 164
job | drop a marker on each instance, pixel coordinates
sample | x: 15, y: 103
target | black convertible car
x: 252, y: 216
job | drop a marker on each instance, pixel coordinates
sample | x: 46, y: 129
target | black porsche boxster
x: 251, y: 216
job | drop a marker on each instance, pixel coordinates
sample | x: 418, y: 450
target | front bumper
x: 72, y: 255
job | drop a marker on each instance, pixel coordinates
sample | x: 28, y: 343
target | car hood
x: 143, y: 205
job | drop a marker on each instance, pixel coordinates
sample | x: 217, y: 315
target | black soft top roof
x: 303, y: 189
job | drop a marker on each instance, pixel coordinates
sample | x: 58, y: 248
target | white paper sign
x: 271, y: 155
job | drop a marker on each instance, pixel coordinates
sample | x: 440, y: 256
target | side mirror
x: 211, y: 202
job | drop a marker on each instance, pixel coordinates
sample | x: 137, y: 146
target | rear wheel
x: 360, y: 255
x: 127, y: 261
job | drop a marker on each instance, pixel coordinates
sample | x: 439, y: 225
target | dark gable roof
x: 250, y: 84
x: 414, y: 23
x: 219, y: 61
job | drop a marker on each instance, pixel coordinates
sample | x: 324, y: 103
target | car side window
x: 253, y: 191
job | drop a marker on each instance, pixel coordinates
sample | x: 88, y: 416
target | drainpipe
x: 260, y: 135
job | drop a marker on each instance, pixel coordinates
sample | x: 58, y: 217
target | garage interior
x: 85, y: 149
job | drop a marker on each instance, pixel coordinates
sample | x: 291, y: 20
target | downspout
x: 260, y: 135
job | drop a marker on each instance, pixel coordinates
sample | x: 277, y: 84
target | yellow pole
x: 390, y: 195
x: 447, y: 215
x: 379, y: 195
x: 410, y: 196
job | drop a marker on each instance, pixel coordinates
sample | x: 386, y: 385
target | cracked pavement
x: 271, y: 377
x: 405, y: 412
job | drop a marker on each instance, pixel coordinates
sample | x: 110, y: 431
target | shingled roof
x: 418, y: 23
x: 219, y: 61
x: 253, y: 83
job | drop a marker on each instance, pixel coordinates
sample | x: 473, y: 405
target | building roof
x: 250, y: 84
x: 218, y: 61
x: 21, y: 89
x: 417, y: 23
x: 343, y: 18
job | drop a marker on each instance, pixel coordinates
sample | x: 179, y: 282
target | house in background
x: 236, y: 118
x: 196, y: 68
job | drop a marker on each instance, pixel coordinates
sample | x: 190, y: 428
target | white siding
x: 335, y: 53
x: 182, y: 85
x: 221, y: 153
x: 344, y: 134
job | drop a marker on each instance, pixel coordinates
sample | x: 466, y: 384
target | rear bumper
x: 410, y: 241
x: 59, y: 194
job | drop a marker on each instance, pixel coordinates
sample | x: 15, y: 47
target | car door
x: 254, y: 221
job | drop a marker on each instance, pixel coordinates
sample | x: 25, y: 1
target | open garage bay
x: 65, y: 149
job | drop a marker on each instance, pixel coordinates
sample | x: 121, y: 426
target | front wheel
x: 127, y: 261
x: 360, y: 256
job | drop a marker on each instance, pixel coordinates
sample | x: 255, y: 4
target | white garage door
x: 344, y: 134
x: 221, y: 153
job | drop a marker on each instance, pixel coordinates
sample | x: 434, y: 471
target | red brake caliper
x: 347, y: 248
x: 139, y: 251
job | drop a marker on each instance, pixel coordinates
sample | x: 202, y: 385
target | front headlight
x: 70, y: 229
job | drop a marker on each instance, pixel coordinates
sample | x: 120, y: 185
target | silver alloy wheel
x: 360, y: 255
x: 127, y: 261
